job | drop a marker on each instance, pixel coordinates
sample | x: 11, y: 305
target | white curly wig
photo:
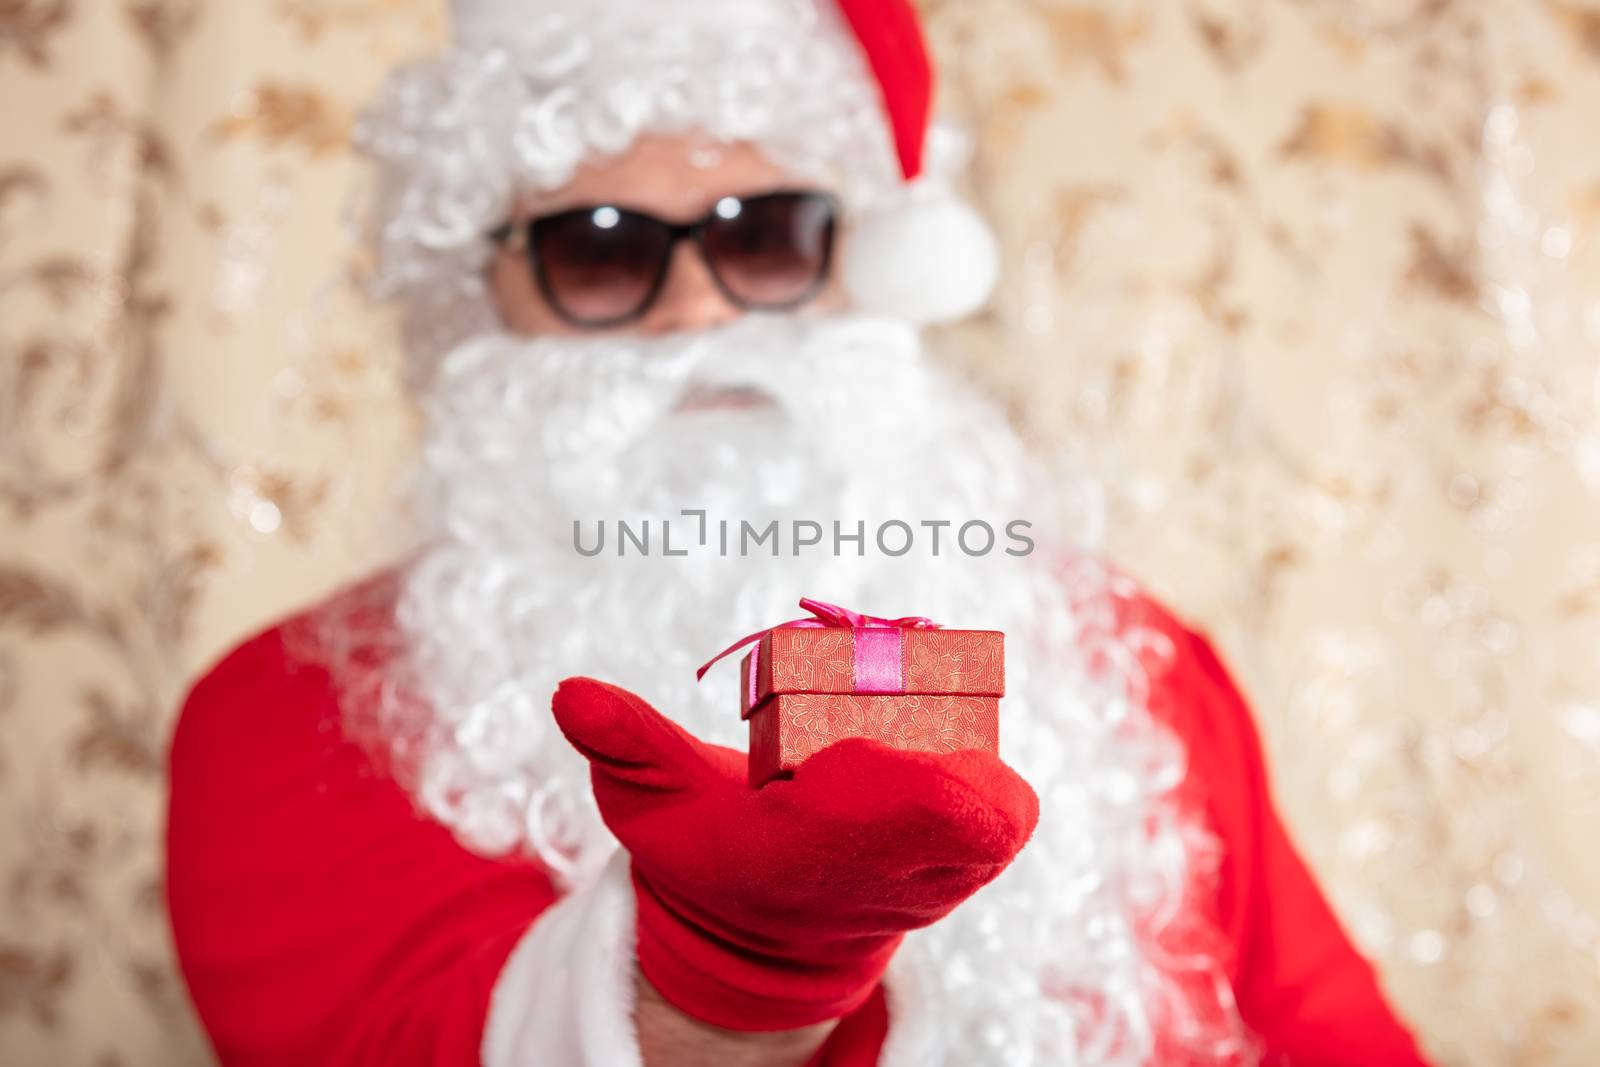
x: 516, y: 106
x: 526, y: 93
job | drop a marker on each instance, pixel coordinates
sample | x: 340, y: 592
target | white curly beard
x: 1054, y: 963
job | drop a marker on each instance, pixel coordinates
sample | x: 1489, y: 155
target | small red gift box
x: 904, y: 682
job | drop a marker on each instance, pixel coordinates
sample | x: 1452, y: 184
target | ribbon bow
x: 823, y: 616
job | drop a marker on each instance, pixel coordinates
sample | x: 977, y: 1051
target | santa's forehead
x: 677, y: 175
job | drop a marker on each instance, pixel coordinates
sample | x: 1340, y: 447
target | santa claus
x: 663, y: 268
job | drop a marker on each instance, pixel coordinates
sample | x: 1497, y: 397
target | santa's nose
x: 690, y: 298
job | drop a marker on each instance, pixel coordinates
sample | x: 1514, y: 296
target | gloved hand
x: 778, y: 908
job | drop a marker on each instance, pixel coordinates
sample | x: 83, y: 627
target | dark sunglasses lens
x: 600, y: 266
x: 772, y: 251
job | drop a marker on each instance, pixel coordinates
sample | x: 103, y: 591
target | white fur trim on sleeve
x: 566, y: 994
x: 912, y: 995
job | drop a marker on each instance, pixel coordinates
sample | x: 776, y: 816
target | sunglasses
x: 603, y: 266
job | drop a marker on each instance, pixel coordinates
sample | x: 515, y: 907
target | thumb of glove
x: 626, y: 739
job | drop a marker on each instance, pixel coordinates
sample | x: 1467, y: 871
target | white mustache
x: 631, y: 382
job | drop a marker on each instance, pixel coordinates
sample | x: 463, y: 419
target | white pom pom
x: 928, y: 258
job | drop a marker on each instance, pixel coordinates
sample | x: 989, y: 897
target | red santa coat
x: 321, y: 918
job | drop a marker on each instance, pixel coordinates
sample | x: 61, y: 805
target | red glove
x: 778, y: 908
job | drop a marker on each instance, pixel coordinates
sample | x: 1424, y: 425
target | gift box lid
x: 872, y: 660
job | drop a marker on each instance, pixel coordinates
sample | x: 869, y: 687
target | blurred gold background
x: 1311, y: 287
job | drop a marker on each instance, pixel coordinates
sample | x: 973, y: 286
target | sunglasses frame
x: 523, y: 236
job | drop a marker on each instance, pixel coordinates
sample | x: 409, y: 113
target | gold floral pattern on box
x: 790, y: 728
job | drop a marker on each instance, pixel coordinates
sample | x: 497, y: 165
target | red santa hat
x: 931, y: 257
x: 891, y: 38
x: 914, y: 250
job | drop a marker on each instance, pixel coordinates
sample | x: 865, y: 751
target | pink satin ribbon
x: 877, y: 642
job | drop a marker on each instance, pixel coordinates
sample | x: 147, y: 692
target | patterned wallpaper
x: 1311, y: 288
